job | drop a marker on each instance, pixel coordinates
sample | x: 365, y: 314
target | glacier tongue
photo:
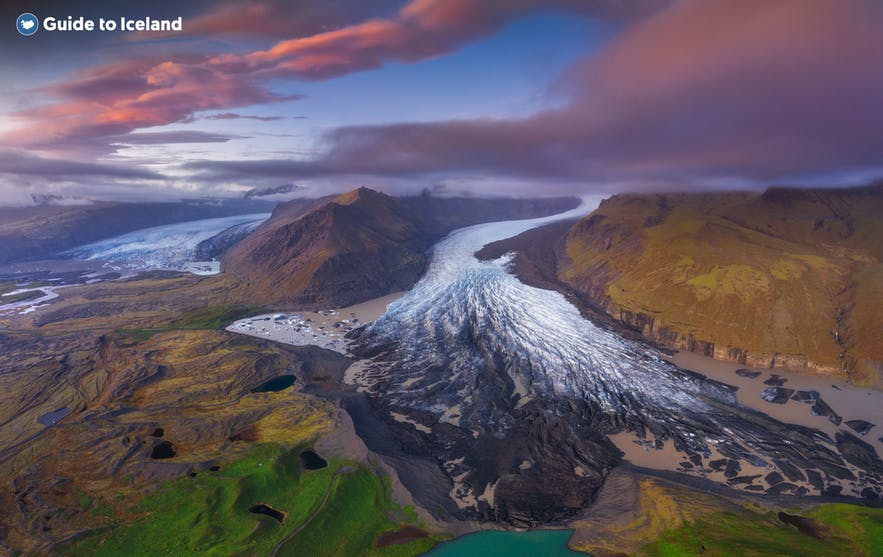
x: 166, y: 247
x: 477, y: 357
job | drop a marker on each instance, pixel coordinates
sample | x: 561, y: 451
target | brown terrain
x: 120, y: 386
x: 787, y: 278
x: 116, y: 388
x: 358, y: 246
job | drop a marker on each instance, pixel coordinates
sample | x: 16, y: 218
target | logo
x: 27, y: 24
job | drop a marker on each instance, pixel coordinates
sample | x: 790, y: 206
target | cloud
x: 101, y: 104
x: 281, y: 18
x: 422, y: 29
x: 234, y: 116
x: 178, y: 136
x: 114, y: 99
x: 690, y: 91
x: 18, y: 163
x: 729, y: 91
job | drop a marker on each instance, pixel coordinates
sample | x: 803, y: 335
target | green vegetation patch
x: 208, y: 318
x: 843, y: 530
x: 338, y: 510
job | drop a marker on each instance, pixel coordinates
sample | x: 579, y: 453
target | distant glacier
x: 169, y: 247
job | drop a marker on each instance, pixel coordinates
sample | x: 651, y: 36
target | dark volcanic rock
x: 733, y: 468
x: 860, y: 426
x: 791, y: 472
x: 858, y: 453
x: 776, y: 380
x: 806, y: 396
x: 821, y: 408
x: 780, y: 488
x: 747, y: 373
x: 717, y: 465
x: 815, y: 479
x: 870, y: 494
x: 776, y: 395
x: 832, y: 490
x: 739, y: 480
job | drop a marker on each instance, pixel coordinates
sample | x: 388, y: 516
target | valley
x: 469, y: 401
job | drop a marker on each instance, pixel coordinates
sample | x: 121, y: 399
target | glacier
x: 483, y: 362
x: 168, y: 247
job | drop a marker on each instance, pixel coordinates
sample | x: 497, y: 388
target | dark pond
x: 312, y: 461
x: 52, y: 418
x: 275, y: 384
x: 267, y: 510
x: 163, y: 449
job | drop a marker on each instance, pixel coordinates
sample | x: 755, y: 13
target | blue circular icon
x: 27, y: 24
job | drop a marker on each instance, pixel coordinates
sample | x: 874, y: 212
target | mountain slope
x: 789, y: 277
x: 359, y: 245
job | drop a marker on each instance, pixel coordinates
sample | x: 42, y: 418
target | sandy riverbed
x: 848, y: 401
x: 324, y: 328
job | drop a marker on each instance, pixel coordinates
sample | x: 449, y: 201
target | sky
x: 489, y: 97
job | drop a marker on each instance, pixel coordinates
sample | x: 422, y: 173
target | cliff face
x: 357, y: 246
x: 785, y: 278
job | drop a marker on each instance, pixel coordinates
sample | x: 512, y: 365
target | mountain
x: 790, y: 277
x: 41, y: 232
x: 359, y: 245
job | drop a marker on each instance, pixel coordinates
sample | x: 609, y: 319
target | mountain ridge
x: 784, y: 278
x: 359, y: 245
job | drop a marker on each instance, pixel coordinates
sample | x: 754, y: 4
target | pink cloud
x: 701, y: 91
x: 690, y: 89
x: 118, y: 98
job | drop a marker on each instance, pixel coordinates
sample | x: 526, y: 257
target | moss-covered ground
x: 843, y: 530
x: 338, y: 510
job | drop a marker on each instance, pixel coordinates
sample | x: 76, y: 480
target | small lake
x: 548, y: 543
